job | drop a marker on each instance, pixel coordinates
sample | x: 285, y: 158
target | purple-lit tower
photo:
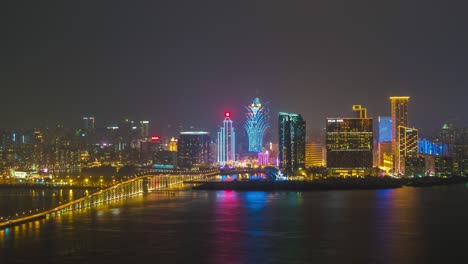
x: 256, y: 125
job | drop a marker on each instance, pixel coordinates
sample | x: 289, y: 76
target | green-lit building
x: 292, y: 140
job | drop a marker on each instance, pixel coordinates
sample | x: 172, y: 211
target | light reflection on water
x: 18, y: 200
x: 382, y: 226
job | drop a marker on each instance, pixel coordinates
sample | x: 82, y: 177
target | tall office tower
x: 292, y: 136
x: 314, y: 155
x: 144, y: 129
x: 193, y: 149
x: 256, y: 125
x: 226, y: 142
x: 407, y: 146
x: 399, y: 111
x: 89, y: 122
x: 349, y: 144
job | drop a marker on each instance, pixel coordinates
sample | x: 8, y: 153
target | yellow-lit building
x: 407, y: 146
x: 349, y: 144
x: 173, y: 145
x: 314, y: 155
x: 399, y: 112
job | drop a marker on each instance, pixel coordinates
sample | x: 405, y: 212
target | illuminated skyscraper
x: 226, y: 141
x: 407, y: 146
x: 292, y: 136
x: 193, y: 149
x: 349, y: 145
x: 256, y: 125
x: 399, y: 111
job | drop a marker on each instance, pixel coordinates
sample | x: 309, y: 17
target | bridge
x: 141, y: 183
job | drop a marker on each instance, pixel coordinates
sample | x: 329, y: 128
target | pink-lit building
x: 263, y: 158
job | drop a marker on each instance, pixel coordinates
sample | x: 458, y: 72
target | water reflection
x: 27, y: 201
x: 396, y: 224
x: 227, y: 226
x: 255, y: 200
x: 384, y: 226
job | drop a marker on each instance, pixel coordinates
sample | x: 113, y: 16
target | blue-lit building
x: 385, y: 129
x: 256, y: 125
x: 226, y: 142
x: 427, y: 147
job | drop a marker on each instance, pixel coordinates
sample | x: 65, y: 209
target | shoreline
x: 370, y: 183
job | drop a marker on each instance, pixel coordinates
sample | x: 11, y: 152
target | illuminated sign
x: 154, y: 138
x: 20, y: 174
x: 335, y: 120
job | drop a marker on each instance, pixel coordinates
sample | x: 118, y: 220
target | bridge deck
x: 143, y: 182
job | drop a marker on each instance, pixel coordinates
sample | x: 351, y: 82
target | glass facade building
x: 292, y: 137
x: 193, y: 150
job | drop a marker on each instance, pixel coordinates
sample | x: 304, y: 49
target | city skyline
x: 233, y: 131
x: 184, y: 64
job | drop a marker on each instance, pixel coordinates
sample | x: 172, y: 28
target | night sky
x: 186, y: 62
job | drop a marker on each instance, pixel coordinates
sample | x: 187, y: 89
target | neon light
x: 256, y: 125
x: 226, y: 142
